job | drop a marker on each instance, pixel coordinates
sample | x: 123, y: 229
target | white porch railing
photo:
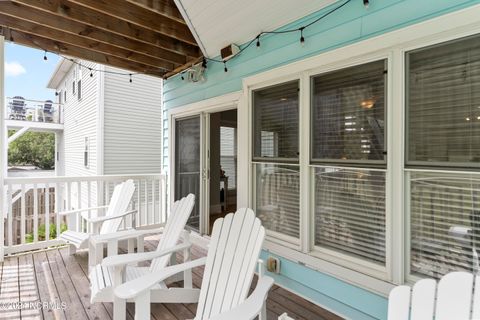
x: 32, y: 206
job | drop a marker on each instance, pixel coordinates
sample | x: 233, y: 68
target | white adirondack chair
x: 451, y: 299
x: 229, y: 267
x: 116, y: 211
x: 115, y: 270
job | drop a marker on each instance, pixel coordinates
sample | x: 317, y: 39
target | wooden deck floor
x: 55, y: 278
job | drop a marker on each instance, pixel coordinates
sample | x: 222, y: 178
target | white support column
x: 3, y: 149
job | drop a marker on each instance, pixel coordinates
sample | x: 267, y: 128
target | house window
x: 348, y: 155
x: 74, y: 79
x: 443, y: 131
x: 275, y: 157
x: 86, y: 153
x: 79, y: 83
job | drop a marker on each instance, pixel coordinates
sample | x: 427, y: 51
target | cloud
x: 13, y: 69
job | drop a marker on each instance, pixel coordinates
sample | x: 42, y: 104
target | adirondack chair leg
x: 112, y: 248
x: 131, y: 245
x: 142, y: 306
x: 72, y: 249
x: 140, y: 244
x: 120, y: 309
x: 263, y: 313
x: 187, y: 274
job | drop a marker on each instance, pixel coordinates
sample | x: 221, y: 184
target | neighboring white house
x: 111, y: 125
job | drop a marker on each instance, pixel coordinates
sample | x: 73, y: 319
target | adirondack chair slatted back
x: 122, y: 194
x: 450, y: 299
x: 176, y: 222
x: 232, y: 256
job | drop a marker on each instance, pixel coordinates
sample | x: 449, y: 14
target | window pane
x: 350, y: 212
x: 443, y: 103
x: 444, y: 223
x: 277, y: 197
x: 348, y: 113
x: 275, y: 111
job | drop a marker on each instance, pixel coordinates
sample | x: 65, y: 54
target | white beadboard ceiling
x: 217, y: 23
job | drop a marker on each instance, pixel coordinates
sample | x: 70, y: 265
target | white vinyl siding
x: 80, y: 123
x: 132, y: 124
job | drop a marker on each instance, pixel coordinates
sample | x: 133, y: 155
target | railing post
x: 3, y: 156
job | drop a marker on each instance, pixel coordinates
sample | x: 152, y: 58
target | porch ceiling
x: 143, y: 36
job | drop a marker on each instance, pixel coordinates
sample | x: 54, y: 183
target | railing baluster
x: 155, y: 219
x: 35, y: 213
x: 23, y: 219
x: 58, y: 205
x: 139, y: 216
x: 107, y: 192
x: 89, y: 204
x: 47, y: 211
x: 70, y: 222
x: 10, y: 214
x: 79, y: 206
x: 147, y: 220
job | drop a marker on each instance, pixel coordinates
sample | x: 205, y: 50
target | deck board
x: 55, y: 276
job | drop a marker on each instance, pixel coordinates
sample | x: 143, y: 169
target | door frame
x: 203, y: 109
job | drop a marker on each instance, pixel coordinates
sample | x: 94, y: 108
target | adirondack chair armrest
x: 66, y: 213
x: 125, y: 259
x: 251, y: 307
x: 106, y: 218
x: 135, y: 287
x: 124, y: 235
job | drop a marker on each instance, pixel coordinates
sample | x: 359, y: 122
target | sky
x: 27, y: 74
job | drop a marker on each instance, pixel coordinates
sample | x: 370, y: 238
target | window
x: 443, y: 131
x: 443, y: 104
x: 74, y: 79
x: 276, y: 143
x: 79, y: 84
x: 348, y: 128
x: 86, y: 153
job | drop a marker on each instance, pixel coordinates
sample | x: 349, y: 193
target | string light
x: 225, y: 66
x: 130, y: 77
x: 301, y: 29
x: 45, y: 56
x: 366, y: 3
x: 204, y: 63
x: 91, y: 73
x: 183, y: 78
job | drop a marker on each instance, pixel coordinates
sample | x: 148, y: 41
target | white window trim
x: 393, y: 45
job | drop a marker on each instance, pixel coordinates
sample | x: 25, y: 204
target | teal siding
x: 348, y: 25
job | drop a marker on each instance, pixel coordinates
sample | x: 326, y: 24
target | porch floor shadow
x: 30, y: 281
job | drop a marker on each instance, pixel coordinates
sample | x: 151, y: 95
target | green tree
x: 33, y: 148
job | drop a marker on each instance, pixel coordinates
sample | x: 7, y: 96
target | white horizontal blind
x: 350, y: 212
x: 443, y: 104
x: 276, y: 122
x: 348, y: 114
x: 276, y: 140
x: 444, y: 223
x: 278, y: 197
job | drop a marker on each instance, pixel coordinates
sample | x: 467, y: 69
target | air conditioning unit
x: 229, y: 51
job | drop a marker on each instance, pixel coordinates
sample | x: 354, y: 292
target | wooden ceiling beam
x: 167, y: 8
x: 86, y: 43
x: 34, y: 41
x: 182, y: 68
x: 92, y: 20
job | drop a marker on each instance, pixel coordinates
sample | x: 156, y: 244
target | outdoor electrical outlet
x: 273, y: 265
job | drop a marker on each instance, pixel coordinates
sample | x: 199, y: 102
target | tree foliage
x: 33, y: 148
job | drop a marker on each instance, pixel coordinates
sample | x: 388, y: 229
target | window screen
x: 348, y: 114
x: 275, y: 121
x: 443, y: 104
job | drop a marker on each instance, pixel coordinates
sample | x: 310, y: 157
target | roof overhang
x: 142, y: 36
x: 61, y: 69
